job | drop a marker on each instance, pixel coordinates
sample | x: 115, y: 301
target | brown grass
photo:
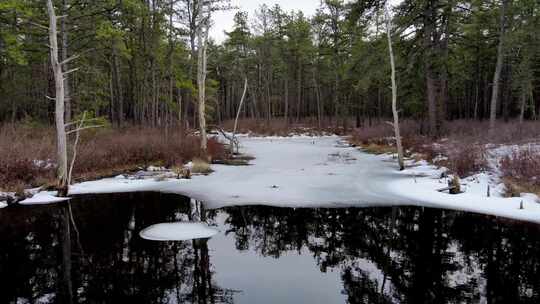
x: 279, y: 127
x: 521, y: 171
x: 514, y: 187
x: 201, y: 166
x: 100, y: 153
x: 382, y: 133
x: 463, y: 142
x: 465, y: 158
x: 378, y: 148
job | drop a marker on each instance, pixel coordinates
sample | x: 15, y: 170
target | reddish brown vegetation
x: 463, y: 142
x: 521, y: 171
x: 465, y: 159
x: 279, y: 127
x: 27, y: 154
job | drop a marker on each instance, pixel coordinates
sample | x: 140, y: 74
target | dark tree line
x: 137, y: 62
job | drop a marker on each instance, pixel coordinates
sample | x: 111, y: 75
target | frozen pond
x: 263, y: 254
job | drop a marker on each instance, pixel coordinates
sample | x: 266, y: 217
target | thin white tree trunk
x: 74, y: 155
x: 234, y: 142
x: 61, y: 138
x: 202, y: 39
x: 394, y: 92
x: 240, y: 105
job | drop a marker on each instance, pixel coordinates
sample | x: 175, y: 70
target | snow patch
x: 44, y: 164
x: 3, y: 204
x: 178, y: 231
x: 42, y: 198
x: 155, y: 169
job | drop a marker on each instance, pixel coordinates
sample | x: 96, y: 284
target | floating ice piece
x: 42, y: 198
x: 181, y: 231
x: 3, y: 205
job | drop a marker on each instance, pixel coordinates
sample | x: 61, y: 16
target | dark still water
x: 263, y: 255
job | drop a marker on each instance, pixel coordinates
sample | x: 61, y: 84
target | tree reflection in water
x: 383, y: 255
x: 416, y: 255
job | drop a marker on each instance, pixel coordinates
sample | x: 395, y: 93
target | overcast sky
x: 223, y: 21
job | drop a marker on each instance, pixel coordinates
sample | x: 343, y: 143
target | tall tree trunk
x: 318, y: 98
x: 443, y: 97
x: 298, y: 92
x: 179, y: 93
x: 61, y: 137
x: 112, y: 94
x: 533, y: 104
x: 498, y: 68
x: 154, y: 96
x: 430, y: 75
x: 394, y: 93
x: 286, y: 100
x: 119, y: 111
x: 335, y: 98
x: 202, y: 38
x: 171, y: 50
x: 267, y: 93
x: 522, y: 102
x: 64, y: 30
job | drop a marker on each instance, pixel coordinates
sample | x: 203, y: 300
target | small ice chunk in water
x: 181, y: 231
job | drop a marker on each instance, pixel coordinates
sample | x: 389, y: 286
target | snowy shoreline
x: 304, y: 171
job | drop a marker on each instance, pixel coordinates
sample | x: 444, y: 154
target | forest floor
x: 326, y: 171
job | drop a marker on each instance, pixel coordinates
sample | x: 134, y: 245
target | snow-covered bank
x: 324, y: 172
x: 483, y: 192
x: 423, y: 181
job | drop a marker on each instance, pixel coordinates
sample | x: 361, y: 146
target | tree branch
x: 70, y: 71
x: 78, y: 121
x: 74, y: 156
x: 83, y: 128
x: 38, y: 25
x: 70, y: 59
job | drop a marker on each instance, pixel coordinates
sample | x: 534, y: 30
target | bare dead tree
x: 61, y: 137
x: 234, y: 141
x: 394, y: 90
